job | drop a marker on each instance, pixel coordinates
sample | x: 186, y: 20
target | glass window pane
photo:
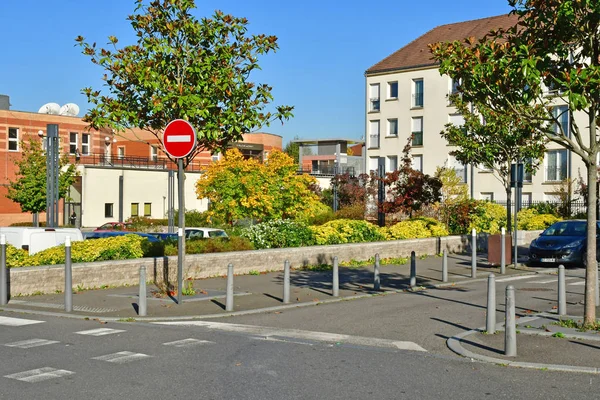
x: 147, y: 209
x: 135, y: 209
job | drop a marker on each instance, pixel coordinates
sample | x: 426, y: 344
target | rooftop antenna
x: 49, y: 108
x: 69, y: 109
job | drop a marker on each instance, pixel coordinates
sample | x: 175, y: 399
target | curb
x: 454, y: 344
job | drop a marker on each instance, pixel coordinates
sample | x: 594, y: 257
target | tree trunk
x: 508, y: 210
x: 591, y: 273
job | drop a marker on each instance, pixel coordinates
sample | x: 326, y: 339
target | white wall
x: 101, y: 185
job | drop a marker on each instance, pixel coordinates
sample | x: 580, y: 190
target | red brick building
x: 88, y: 147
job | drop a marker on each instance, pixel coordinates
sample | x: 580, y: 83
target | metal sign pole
x: 181, y: 233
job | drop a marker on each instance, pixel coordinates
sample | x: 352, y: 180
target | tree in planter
x: 545, y: 70
x: 453, y: 188
x: 29, y: 187
x: 408, y: 189
x: 248, y: 189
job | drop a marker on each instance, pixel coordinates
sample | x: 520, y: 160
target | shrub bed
x: 346, y: 231
x: 530, y: 219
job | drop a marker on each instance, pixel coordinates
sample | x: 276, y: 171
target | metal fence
x: 564, y: 209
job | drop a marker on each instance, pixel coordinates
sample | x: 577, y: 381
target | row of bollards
x: 510, y: 330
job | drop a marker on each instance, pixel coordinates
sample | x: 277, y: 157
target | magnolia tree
x: 544, y: 70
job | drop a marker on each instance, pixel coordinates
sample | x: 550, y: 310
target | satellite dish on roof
x: 70, y: 109
x: 49, y: 108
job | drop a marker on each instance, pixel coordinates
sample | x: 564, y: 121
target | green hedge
x: 278, y: 234
x: 346, y: 231
x: 414, y: 229
x: 530, y: 219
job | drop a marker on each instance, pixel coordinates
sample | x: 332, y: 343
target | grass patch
x: 572, y: 324
x: 559, y: 335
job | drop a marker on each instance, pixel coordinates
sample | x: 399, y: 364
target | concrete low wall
x: 48, y: 279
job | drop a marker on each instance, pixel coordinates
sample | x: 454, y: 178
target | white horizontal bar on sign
x: 179, y: 138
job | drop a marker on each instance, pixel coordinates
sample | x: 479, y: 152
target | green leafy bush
x: 217, y: 245
x: 15, y: 257
x: 545, y: 208
x: 346, y: 231
x: 414, y: 229
x: 488, y: 217
x: 278, y: 234
x: 141, y: 224
x: 530, y: 219
x: 355, y: 211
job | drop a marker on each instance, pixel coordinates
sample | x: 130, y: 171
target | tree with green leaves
x: 183, y: 68
x: 29, y: 187
x: 492, y: 139
x: 292, y: 149
x: 546, y: 70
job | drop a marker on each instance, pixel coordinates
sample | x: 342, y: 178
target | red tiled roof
x: 416, y: 53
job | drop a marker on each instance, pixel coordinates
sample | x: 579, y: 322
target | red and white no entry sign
x: 179, y: 138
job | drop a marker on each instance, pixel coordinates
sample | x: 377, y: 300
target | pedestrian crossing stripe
x: 26, y: 344
x: 100, y: 332
x: 187, y: 343
x: 39, y: 374
x: 8, y: 321
x: 122, y: 357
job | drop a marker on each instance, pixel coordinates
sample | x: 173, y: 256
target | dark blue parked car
x: 564, y: 242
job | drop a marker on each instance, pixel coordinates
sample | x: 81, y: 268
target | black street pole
x: 52, y: 170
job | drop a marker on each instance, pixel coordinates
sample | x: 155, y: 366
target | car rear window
x: 213, y: 234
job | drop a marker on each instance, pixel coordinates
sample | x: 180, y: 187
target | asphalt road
x: 72, y: 359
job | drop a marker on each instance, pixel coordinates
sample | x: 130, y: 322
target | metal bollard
x: 445, y: 266
x: 142, y: 309
x: 473, y: 253
x: 229, y: 298
x: 490, y: 325
x: 376, y: 280
x: 68, y: 276
x: 510, y: 329
x: 413, y: 269
x: 562, y: 291
x: 336, y: 277
x: 503, y: 252
x: 3, y: 275
x: 597, y: 291
x: 286, y: 282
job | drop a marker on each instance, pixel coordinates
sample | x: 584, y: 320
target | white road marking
x: 580, y: 283
x: 8, y: 321
x: 187, y: 343
x: 121, y: 357
x: 39, y: 374
x: 100, y: 332
x: 26, y: 344
x: 515, y: 278
x: 300, y: 334
x: 179, y: 138
x: 555, y: 279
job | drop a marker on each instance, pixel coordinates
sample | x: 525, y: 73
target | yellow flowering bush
x: 530, y: 220
x: 415, y: 229
x: 346, y: 231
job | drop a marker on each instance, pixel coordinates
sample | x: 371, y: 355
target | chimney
x: 4, y: 102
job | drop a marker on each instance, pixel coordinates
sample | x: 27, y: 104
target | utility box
x: 495, y: 249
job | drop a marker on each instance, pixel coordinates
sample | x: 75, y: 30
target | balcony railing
x: 328, y: 170
x: 134, y: 162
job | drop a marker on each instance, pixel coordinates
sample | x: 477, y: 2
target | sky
x: 324, y: 49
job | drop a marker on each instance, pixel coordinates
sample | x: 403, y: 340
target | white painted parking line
x: 100, y: 332
x: 187, y: 343
x: 580, y: 283
x: 515, y: 278
x: 8, y: 321
x: 122, y: 357
x: 39, y: 374
x: 27, y: 344
x: 266, y: 332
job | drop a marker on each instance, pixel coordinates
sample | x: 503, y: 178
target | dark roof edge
x: 379, y: 71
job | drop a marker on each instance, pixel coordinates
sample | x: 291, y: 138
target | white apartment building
x: 406, y: 95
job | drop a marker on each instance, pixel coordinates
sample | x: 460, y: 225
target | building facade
x: 406, y: 97
x: 120, y: 175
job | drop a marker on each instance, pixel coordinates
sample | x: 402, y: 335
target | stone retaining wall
x: 48, y: 279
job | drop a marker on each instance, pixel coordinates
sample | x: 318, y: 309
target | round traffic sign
x: 179, y: 138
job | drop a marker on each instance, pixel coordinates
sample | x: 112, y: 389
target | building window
x: 135, y: 209
x: 392, y: 163
x: 487, y: 196
x: 147, y: 209
x: 454, y: 83
x: 392, y: 127
x: 374, y: 134
x: 456, y: 120
x: 120, y: 152
x: 392, y: 90
x: 108, y: 210
x: 556, y: 165
x: 525, y: 200
x: 417, y: 131
x: 527, y: 176
x: 561, y: 114
x: 417, y: 93
x: 417, y: 163
x: 374, y: 97
x: 373, y: 164
x: 13, y: 139
x: 85, y: 144
x: 154, y: 153
x: 73, y: 143
x: 215, y: 157
x: 459, y: 168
